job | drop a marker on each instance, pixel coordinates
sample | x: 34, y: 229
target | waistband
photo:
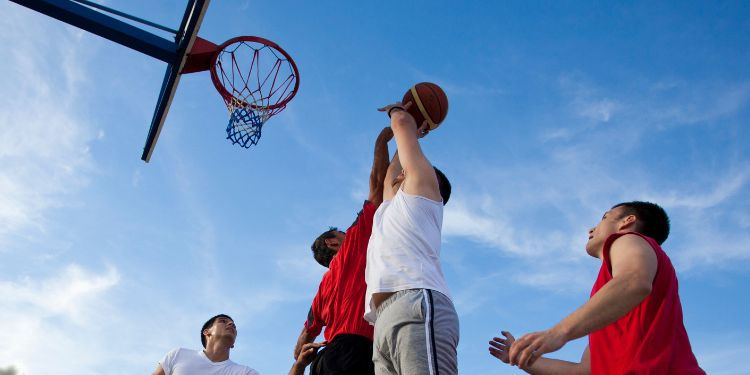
x: 393, y: 297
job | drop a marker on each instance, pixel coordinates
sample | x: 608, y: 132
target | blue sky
x: 557, y: 112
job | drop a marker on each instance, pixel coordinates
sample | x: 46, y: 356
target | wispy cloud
x: 550, y: 258
x: 45, y: 156
x: 723, y: 354
x: 587, y: 100
x: 50, y: 315
x: 725, y: 188
x: 695, y: 103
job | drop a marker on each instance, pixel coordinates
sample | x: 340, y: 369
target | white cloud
x: 550, y: 258
x: 51, y: 315
x: 724, y: 189
x: 44, y: 152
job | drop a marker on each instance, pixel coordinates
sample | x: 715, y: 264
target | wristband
x: 396, y: 107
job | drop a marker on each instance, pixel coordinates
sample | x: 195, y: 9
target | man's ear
x: 206, y: 333
x: 628, y: 222
x: 330, y: 242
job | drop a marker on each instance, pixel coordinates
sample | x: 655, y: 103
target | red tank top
x: 340, y: 302
x: 651, y: 338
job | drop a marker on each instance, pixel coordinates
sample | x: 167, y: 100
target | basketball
x: 428, y: 102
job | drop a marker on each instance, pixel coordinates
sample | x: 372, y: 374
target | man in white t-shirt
x: 217, y: 336
x: 407, y: 299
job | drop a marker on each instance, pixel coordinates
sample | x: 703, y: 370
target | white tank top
x: 404, y: 248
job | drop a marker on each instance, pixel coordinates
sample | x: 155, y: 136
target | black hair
x: 209, y: 324
x: 444, y: 185
x: 321, y: 252
x: 651, y: 219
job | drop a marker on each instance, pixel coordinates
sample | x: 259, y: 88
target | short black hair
x: 444, y: 184
x: 651, y: 219
x: 209, y: 324
x: 321, y: 252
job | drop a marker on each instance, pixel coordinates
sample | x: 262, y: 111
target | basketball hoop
x: 254, y: 76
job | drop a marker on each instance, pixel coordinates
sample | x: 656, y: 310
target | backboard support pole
x: 173, y: 53
x: 105, y: 26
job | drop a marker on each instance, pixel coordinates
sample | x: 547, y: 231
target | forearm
x: 405, y: 133
x: 380, y: 166
x: 297, y: 369
x: 303, y: 339
x: 545, y: 366
x: 610, y: 303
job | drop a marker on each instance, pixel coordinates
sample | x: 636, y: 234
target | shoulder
x: 176, y: 352
x: 632, y: 251
x: 368, y: 209
x: 174, y: 356
x: 629, y: 242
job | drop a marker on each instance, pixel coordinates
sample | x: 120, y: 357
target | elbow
x: 640, y: 289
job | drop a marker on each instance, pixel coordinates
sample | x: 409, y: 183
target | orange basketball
x: 428, y: 102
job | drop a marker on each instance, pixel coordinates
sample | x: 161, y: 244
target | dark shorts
x: 344, y: 355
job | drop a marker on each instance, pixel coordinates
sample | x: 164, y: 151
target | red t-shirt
x: 650, y: 338
x: 340, y: 302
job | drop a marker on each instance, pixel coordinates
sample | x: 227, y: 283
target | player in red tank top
x: 634, y: 316
x: 340, y: 302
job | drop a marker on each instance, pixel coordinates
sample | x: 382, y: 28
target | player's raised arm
x: 418, y: 175
x: 380, y: 166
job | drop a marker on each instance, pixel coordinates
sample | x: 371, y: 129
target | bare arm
x: 549, y: 366
x: 306, y: 356
x: 158, y: 371
x: 379, y: 166
x: 499, y: 348
x: 634, y: 265
x: 303, y: 339
x: 420, y: 176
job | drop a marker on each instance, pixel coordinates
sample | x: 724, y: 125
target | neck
x: 217, y: 351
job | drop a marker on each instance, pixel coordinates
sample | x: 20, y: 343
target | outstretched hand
x: 530, y: 347
x: 307, y: 353
x: 500, y: 348
x: 422, y: 129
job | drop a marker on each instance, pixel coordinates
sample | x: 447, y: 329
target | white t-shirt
x: 194, y: 362
x: 404, y: 248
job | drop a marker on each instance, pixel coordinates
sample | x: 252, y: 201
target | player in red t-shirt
x: 339, y: 304
x: 634, y: 316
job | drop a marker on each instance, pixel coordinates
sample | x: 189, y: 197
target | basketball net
x: 256, y: 79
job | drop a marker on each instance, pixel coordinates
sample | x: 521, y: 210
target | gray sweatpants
x: 416, y: 333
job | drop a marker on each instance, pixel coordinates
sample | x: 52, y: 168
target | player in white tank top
x: 403, y: 263
x: 404, y: 248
